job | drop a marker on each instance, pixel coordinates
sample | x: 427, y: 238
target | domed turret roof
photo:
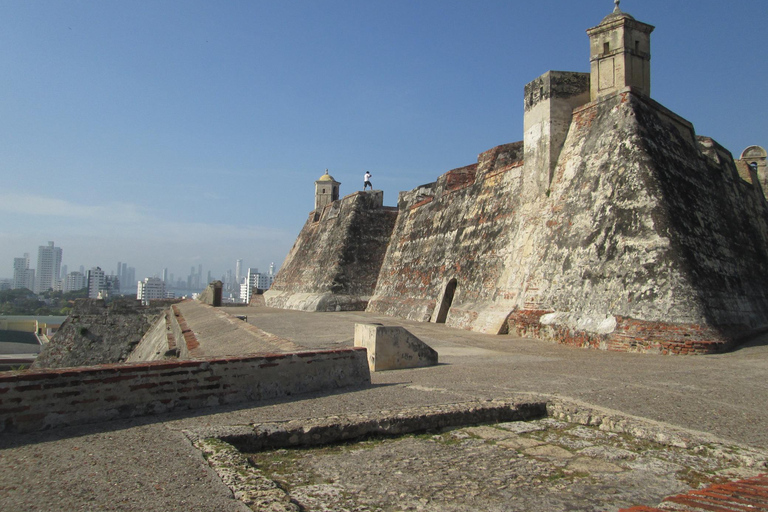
x: 326, y: 177
x: 616, y: 14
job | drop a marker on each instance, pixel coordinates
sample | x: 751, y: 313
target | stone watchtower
x: 620, y: 55
x: 326, y: 191
x: 755, y: 156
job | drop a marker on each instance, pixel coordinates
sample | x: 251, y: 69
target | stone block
x: 393, y: 348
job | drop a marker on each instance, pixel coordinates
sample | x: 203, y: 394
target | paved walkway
x: 220, y: 334
x: 148, y: 464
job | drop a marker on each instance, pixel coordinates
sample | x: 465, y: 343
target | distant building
x: 96, y: 282
x: 23, y: 276
x: 74, y: 281
x: 48, y: 267
x: 126, y: 275
x: 256, y: 281
x: 150, y: 289
x: 129, y: 276
x: 111, y: 286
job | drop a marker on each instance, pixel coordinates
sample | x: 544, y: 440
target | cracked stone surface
x: 544, y: 464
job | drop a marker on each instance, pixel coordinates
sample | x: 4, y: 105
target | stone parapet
x: 40, y: 399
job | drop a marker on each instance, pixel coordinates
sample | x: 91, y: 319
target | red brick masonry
x: 39, y: 399
x: 630, y: 335
x: 743, y: 495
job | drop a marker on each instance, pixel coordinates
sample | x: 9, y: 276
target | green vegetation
x: 24, y: 302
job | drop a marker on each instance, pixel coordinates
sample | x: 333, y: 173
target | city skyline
x: 170, y: 134
x: 47, y: 254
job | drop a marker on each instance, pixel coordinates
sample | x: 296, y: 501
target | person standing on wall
x: 367, y: 181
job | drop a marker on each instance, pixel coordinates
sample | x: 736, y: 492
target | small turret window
x: 606, y: 47
x: 637, y: 46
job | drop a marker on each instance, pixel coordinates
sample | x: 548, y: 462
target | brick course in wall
x: 39, y: 399
x: 630, y: 335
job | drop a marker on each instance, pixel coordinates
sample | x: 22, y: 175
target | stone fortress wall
x: 611, y: 225
x: 334, y: 262
x: 97, y: 332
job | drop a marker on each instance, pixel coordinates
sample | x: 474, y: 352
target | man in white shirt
x: 367, y: 181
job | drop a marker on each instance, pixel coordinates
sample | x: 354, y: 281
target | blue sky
x: 171, y: 133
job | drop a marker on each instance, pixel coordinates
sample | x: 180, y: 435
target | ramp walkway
x: 216, y: 333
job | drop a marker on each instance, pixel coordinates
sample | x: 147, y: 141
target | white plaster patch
x: 598, y: 324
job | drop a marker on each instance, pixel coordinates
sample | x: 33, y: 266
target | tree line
x: 25, y: 302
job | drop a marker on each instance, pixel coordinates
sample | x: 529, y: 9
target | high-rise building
x: 48, y: 267
x: 129, y: 277
x: 74, y: 281
x: 244, y: 295
x: 238, y: 270
x: 23, y: 276
x: 149, y: 289
x: 250, y: 285
x: 96, y: 282
x: 264, y: 281
x: 256, y: 281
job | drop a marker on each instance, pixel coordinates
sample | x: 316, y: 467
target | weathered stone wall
x: 648, y: 241
x: 456, y: 228
x: 335, y: 261
x: 645, y: 237
x: 99, y: 333
x: 41, y: 399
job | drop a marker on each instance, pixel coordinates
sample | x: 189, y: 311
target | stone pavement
x: 151, y: 464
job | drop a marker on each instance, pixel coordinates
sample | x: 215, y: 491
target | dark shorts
x: 367, y: 183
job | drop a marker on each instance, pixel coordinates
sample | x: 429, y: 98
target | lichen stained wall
x: 646, y: 243
x: 456, y: 228
x: 335, y: 260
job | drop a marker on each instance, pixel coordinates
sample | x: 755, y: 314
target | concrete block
x: 393, y: 348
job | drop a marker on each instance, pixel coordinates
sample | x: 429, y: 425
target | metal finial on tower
x: 616, y: 3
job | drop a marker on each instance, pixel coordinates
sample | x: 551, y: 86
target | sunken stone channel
x: 492, y: 455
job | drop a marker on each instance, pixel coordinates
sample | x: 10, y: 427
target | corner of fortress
x: 611, y: 225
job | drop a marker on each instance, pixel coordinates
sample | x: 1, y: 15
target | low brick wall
x: 40, y: 399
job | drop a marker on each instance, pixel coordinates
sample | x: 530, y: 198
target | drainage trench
x: 495, y: 455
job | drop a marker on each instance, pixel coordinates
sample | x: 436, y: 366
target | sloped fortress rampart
x: 611, y: 225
